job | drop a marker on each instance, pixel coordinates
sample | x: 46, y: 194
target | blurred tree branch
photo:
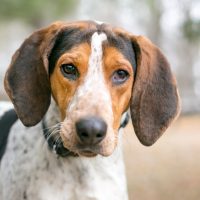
x: 35, y: 12
x: 191, y: 30
x: 190, y: 26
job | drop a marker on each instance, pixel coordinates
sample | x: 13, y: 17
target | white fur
x: 29, y: 169
x: 4, y: 106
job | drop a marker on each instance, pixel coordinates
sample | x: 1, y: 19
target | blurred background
x: 171, y: 168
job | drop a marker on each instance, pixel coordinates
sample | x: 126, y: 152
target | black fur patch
x: 125, y: 121
x: 6, y: 122
x: 66, y: 40
x: 124, y: 45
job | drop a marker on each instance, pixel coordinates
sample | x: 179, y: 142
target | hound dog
x: 71, y: 85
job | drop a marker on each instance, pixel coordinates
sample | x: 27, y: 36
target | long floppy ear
x: 155, y: 100
x: 26, y: 81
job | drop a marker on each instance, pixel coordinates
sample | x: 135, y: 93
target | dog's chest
x: 79, y: 179
x: 39, y: 174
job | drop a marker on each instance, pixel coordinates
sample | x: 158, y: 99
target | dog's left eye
x: 69, y: 71
x: 120, y: 76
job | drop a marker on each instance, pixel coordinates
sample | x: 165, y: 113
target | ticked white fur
x: 29, y: 170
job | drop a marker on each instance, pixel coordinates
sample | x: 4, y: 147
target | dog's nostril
x: 99, y: 135
x: 91, y: 130
x: 84, y: 134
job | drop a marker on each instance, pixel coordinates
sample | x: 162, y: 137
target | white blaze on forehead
x: 94, y: 84
x: 94, y: 78
x: 97, y: 39
x: 95, y: 61
x: 93, y: 91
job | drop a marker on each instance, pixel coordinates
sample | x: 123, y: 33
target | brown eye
x: 120, y: 76
x: 69, y: 71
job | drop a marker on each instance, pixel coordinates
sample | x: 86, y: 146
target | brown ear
x: 26, y: 81
x: 155, y: 101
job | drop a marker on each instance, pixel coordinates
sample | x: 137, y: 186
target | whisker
x: 58, y: 140
x: 53, y: 133
x: 52, y: 127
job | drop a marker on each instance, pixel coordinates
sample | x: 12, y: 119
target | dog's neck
x: 52, y: 117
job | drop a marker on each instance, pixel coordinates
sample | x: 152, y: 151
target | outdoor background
x: 169, y: 170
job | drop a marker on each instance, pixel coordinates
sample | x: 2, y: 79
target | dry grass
x: 170, y: 169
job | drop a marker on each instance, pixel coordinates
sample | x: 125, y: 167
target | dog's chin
x: 90, y: 152
x: 87, y: 154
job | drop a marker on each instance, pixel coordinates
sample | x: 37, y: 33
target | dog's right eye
x: 69, y: 71
x: 120, y: 76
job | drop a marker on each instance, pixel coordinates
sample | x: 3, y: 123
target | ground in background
x: 170, y: 169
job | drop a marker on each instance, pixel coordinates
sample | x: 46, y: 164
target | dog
x: 72, y: 86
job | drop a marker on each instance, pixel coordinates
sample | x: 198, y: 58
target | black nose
x: 91, y: 130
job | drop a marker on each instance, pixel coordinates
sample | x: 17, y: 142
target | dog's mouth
x: 88, y: 150
x: 87, y: 153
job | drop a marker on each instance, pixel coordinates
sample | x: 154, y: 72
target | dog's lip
x: 84, y: 150
x: 88, y: 151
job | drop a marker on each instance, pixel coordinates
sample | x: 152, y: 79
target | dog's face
x: 94, y: 73
x: 92, y: 79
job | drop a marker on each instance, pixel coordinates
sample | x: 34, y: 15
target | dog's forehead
x: 82, y: 32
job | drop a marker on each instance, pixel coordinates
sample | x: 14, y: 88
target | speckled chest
x: 34, y: 172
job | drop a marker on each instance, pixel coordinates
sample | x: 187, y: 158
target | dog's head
x: 94, y: 72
